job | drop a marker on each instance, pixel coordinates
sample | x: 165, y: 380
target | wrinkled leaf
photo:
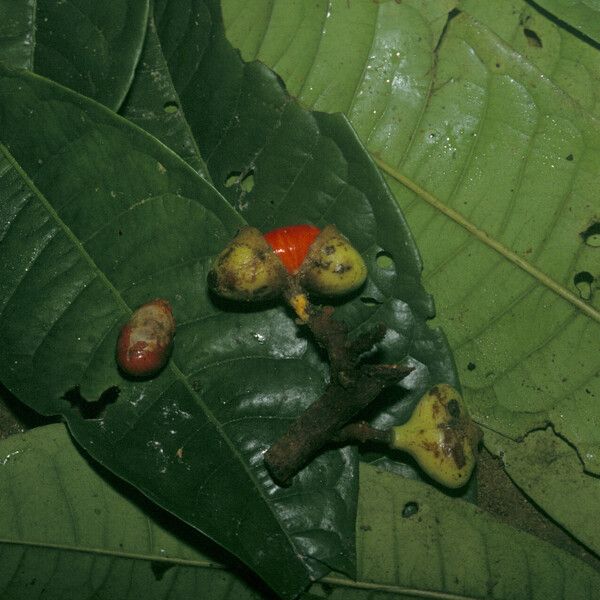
x: 91, y: 47
x: 69, y: 531
x: 510, y: 158
x: 87, y: 230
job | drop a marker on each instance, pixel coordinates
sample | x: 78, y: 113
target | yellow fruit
x: 332, y: 266
x: 146, y: 340
x: 248, y: 269
x: 441, y: 436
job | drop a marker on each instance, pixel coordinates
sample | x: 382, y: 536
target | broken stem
x: 352, y: 388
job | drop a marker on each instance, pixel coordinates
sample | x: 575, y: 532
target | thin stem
x: 482, y: 236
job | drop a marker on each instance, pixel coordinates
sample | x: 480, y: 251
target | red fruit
x: 146, y: 340
x: 291, y: 244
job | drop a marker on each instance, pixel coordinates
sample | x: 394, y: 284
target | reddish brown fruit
x: 291, y: 244
x: 146, y: 340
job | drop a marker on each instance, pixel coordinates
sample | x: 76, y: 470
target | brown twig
x: 352, y: 388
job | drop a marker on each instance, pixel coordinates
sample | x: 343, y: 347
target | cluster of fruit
x: 289, y: 262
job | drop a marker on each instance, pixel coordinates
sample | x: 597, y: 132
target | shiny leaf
x: 69, y: 531
x: 232, y: 370
x: 87, y: 232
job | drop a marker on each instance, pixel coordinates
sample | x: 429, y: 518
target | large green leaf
x: 278, y: 164
x: 501, y: 163
x: 91, y: 47
x: 68, y: 533
x: 98, y: 217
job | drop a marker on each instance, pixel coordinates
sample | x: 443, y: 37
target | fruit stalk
x: 440, y: 435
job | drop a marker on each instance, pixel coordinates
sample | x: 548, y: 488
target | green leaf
x: 279, y: 164
x: 17, y: 33
x: 571, y: 63
x: 498, y: 164
x: 67, y: 534
x: 152, y: 102
x: 436, y: 544
x: 543, y: 460
x: 74, y: 532
x: 91, y: 47
x: 582, y: 15
x: 87, y: 234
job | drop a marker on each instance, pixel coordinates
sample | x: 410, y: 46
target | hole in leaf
x: 244, y: 180
x: 591, y: 236
x: 91, y: 409
x: 583, y: 282
x: 170, y: 107
x: 471, y: 366
x: 533, y: 39
x: 410, y: 509
x: 384, y: 260
x: 569, y: 157
x: 370, y: 301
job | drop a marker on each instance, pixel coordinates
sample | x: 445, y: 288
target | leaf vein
x: 483, y: 237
